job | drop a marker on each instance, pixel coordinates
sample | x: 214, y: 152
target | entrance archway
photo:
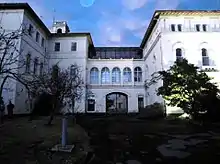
x: 116, y: 102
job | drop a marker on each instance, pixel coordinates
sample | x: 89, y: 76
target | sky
x: 110, y: 22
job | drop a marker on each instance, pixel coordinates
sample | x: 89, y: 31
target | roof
x: 158, y: 13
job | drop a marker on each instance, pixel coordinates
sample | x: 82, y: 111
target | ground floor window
x: 140, y: 102
x: 91, y: 105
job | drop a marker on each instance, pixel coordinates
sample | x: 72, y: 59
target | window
x: 35, y: 65
x: 37, y: 36
x: 73, y: 46
x: 94, y: 76
x: 204, y: 27
x: 30, y: 30
x: 173, y: 27
x: 116, y: 75
x: 28, y: 63
x: 127, y: 75
x: 179, y: 54
x: 198, y: 27
x: 41, y: 68
x: 57, y: 46
x: 59, y: 31
x: 179, y: 27
x: 140, y: 102
x: 137, y: 74
x: 205, y: 57
x: 42, y: 42
x: 105, y: 75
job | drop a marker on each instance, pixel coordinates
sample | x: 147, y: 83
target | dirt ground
x: 119, y: 140
x: 25, y: 142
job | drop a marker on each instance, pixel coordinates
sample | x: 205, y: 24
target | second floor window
x: 37, y: 36
x: 173, y: 27
x: 30, y: 30
x: 73, y: 46
x: 197, y: 27
x: 137, y: 74
x: 204, y: 27
x: 42, y: 42
x: 57, y: 46
x: 179, y: 27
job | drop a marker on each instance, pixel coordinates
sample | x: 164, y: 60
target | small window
x: 57, y: 46
x: 28, y: 63
x: 59, y: 31
x: 30, y: 30
x: 42, y: 42
x: 179, y: 27
x: 35, y: 65
x: 198, y: 27
x: 173, y: 27
x: 73, y: 46
x: 37, y: 36
x: 204, y: 27
x: 41, y: 68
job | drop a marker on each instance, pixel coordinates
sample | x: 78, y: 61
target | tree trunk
x: 2, y: 84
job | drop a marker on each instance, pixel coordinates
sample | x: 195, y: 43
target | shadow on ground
x: 128, y: 140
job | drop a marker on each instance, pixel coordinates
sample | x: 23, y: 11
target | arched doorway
x: 116, y: 102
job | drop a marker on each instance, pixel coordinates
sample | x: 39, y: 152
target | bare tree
x: 11, y: 58
x: 64, y: 85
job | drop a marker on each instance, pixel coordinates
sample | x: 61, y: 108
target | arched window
x: 127, y: 75
x: 94, y: 75
x: 28, y: 63
x: 137, y: 74
x: 59, y: 30
x: 205, y: 57
x: 105, y: 75
x: 179, y: 54
x: 116, y: 75
x: 41, y: 68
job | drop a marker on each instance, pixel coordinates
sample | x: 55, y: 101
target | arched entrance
x: 116, y: 102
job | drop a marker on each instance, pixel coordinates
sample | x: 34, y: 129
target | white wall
x: 190, y: 41
x: 11, y: 20
x: 65, y: 58
x: 36, y: 50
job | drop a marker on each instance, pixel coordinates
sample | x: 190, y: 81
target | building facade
x: 113, y: 77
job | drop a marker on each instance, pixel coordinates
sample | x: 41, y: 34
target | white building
x: 114, y: 75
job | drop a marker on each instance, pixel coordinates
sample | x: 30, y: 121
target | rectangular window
x: 37, y: 36
x: 57, y: 46
x: 204, y: 27
x: 41, y: 68
x: 173, y: 27
x: 35, y: 65
x: 91, y: 105
x: 73, y: 46
x: 197, y: 27
x: 42, y: 42
x: 179, y: 27
x: 140, y: 102
x: 30, y: 30
x: 28, y: 63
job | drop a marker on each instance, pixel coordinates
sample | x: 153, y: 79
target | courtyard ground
x: 112, y: 140
x: 119, y: 140
x: 25, y: 142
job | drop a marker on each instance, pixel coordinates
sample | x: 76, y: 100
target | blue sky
x: 110, y: 22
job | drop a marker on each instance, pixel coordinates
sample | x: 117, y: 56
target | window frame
x: 57, y: 49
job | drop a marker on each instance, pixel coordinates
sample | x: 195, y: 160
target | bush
x: 156, y: 110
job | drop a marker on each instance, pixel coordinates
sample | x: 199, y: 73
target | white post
x: 64, y: 131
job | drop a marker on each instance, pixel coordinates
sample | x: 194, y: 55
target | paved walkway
x: 127, y: 140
